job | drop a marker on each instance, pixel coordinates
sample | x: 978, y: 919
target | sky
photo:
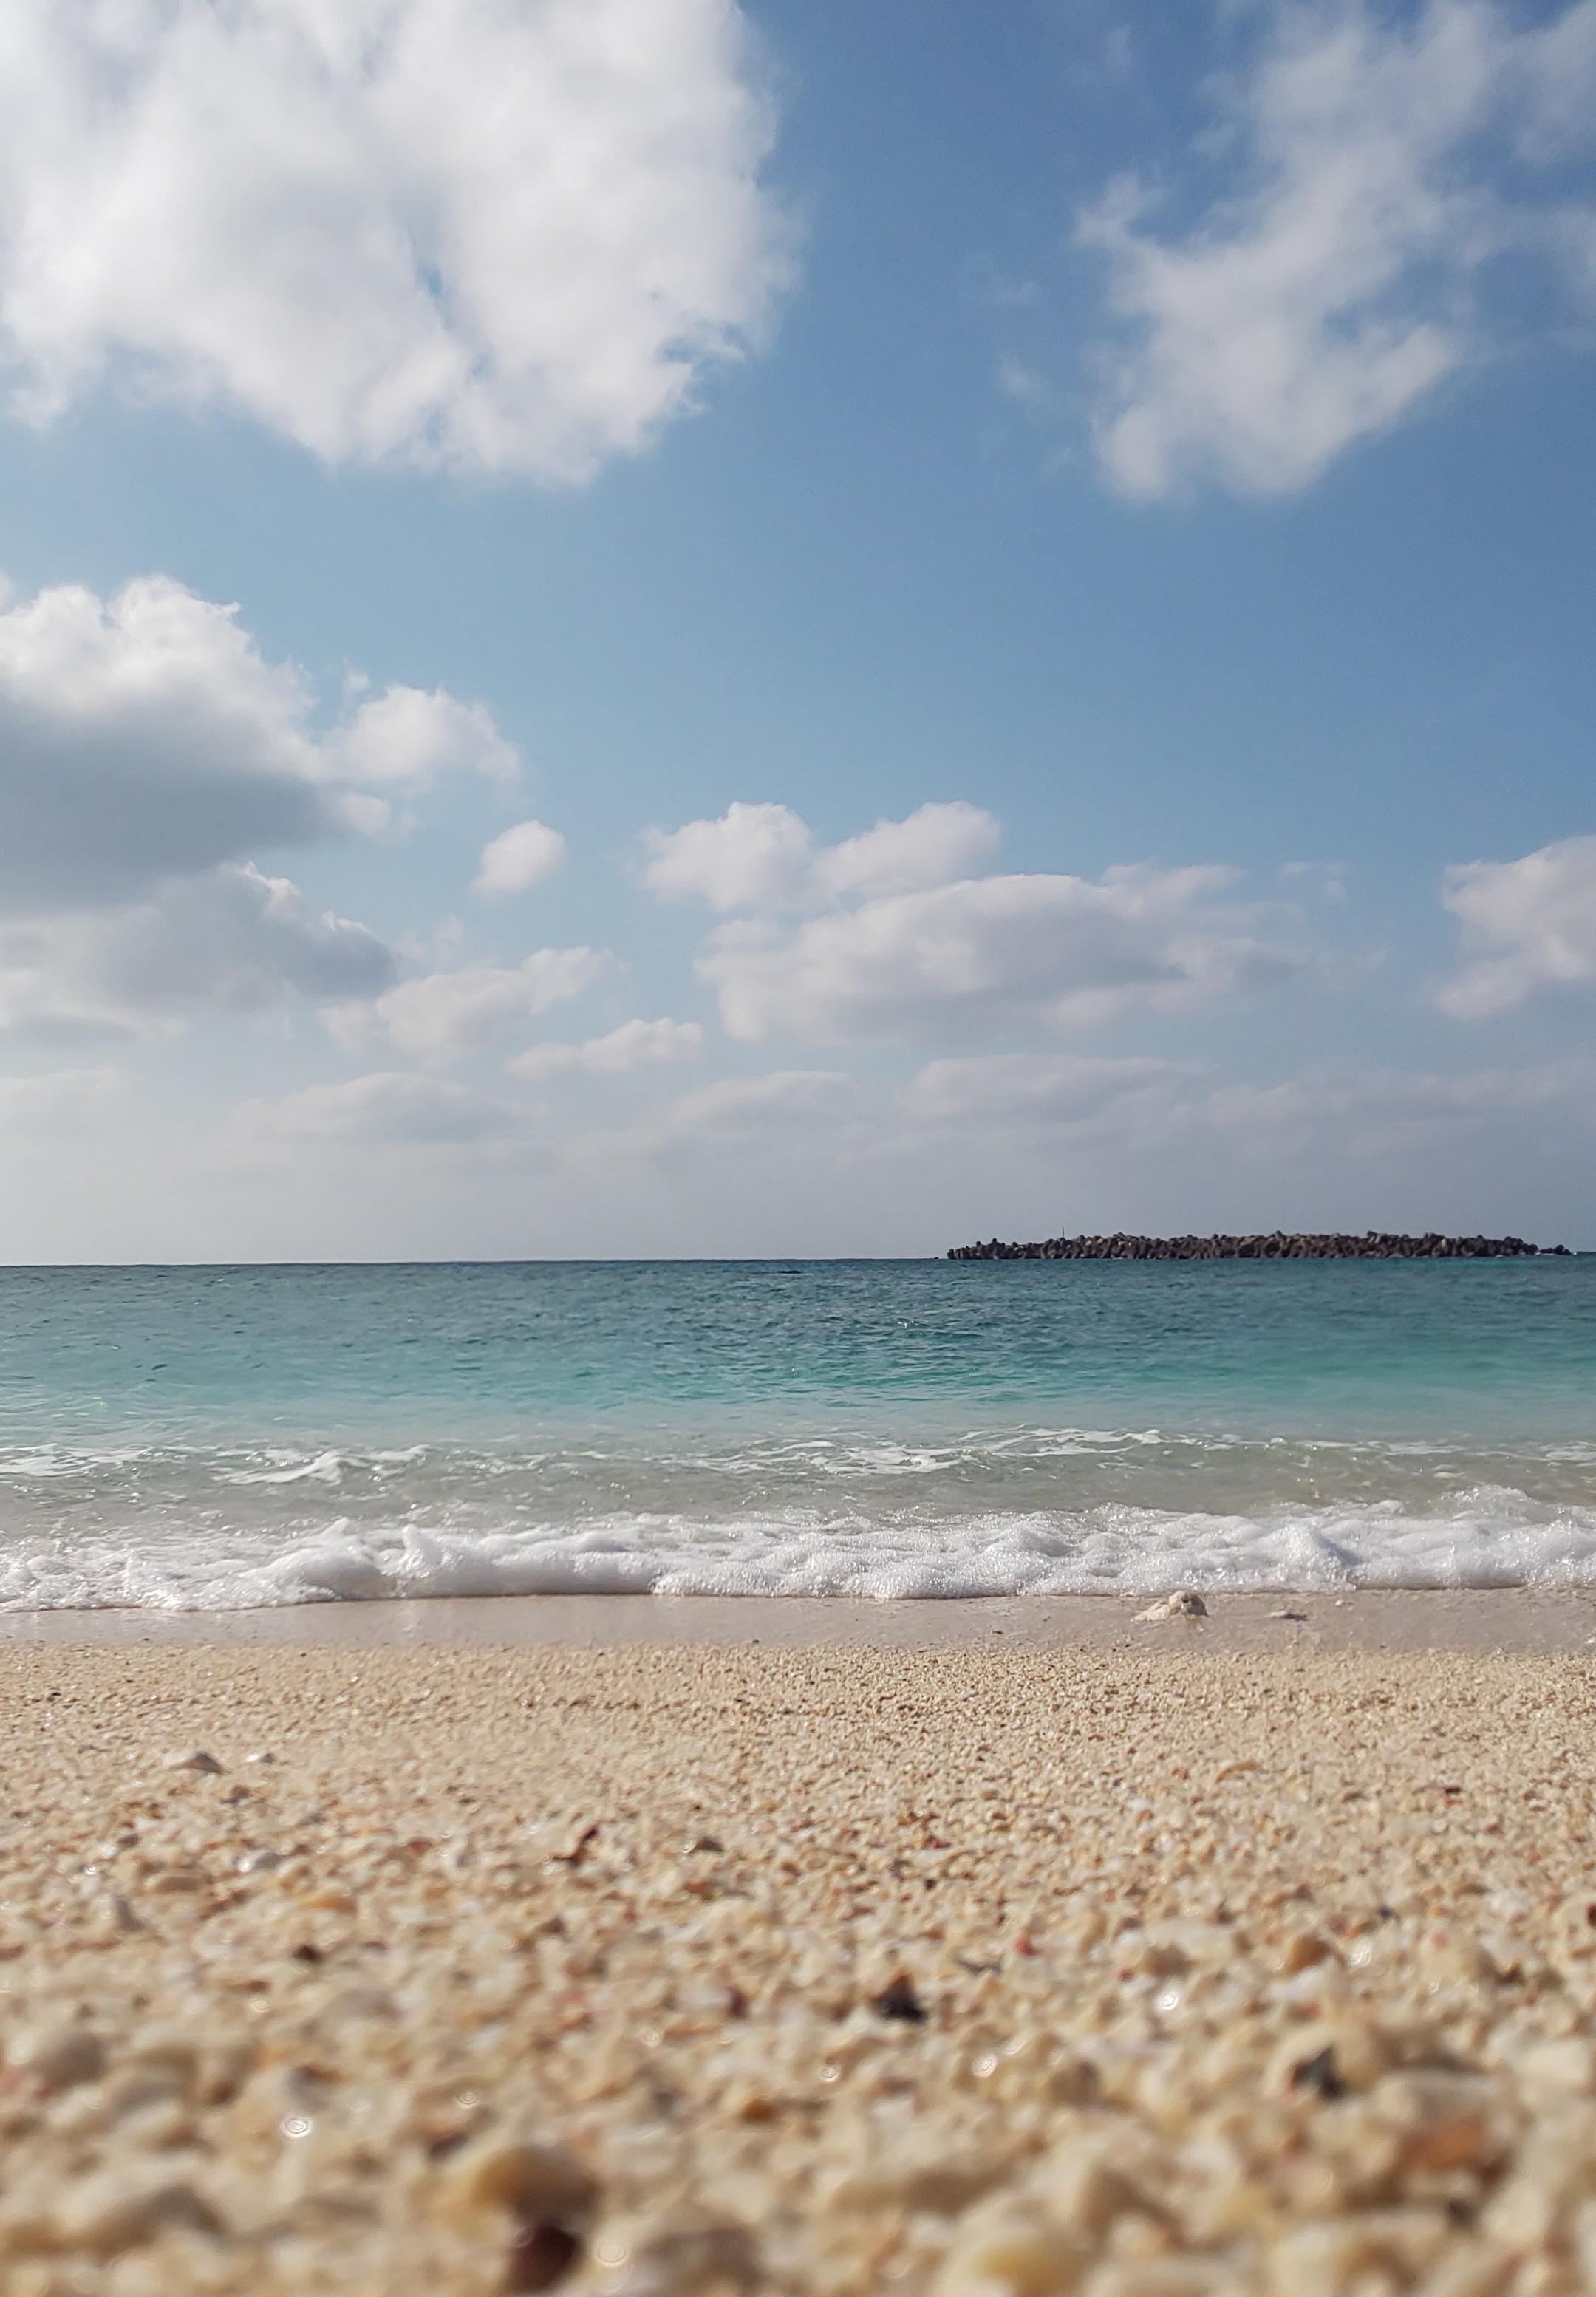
x: 652, y: 626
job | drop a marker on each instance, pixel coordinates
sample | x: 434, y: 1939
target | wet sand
x: 985, y: 1950
x: 1514, y: 1618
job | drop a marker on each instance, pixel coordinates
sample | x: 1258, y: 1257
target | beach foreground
x: 971, y: 1968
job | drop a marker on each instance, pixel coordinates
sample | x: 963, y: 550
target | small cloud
x: 753, y: 857
x: 441, y: 1016
x: 518, y: 858
x: 764, y: 856
x: 1532, y: 923
x: 634, y: 1045
x: 405, y: 739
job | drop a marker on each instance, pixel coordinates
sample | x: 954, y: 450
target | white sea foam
x: 1492, y: 1537
x: 1031, y: 1509
x: 47, y: 1461
x: 325, y: 1468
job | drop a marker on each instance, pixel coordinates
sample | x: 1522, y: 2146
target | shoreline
x: 1515, y: 1619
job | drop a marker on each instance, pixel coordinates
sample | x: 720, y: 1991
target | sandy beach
x: 940, y: 1958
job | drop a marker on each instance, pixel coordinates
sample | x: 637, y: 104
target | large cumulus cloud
x: 498, y: 235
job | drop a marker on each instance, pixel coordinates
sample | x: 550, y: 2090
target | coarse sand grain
x: 983, y: 1971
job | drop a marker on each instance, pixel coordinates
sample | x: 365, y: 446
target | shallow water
x: 228, y: 1437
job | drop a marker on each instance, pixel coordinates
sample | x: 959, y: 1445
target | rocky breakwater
x: 1279, y: 1245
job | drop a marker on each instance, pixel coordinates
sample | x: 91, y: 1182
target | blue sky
x: 1159, y: 444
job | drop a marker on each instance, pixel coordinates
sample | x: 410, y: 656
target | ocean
x: 225, y: 1438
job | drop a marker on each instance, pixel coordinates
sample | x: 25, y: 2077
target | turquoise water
x: 234, y: 1436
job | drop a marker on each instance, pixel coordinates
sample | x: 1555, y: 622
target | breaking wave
x: 1030, y: 1512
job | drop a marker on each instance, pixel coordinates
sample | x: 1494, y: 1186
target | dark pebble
x: 541, y: 2254
x: 900, y: 2000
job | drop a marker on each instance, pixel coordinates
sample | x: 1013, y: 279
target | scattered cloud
x: 764, y: 856
x: 518, y: 858
x: 991, y: 953
x: 494, y: 239
x: 1381, y: 166
x: 1533, y: 922
x: 390, y: 1108
x: 634, y: 1045
x: 441, y: 1016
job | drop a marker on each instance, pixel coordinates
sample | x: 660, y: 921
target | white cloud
x: 933, y: 846
x: 753, y: 857
x: 518, y: 858
x: 406, y: 739
x: 1383, y: 162
x: 392, y: 1107
x: 996, y: 952
x: 764, y: 856
x: 439, y: 1016
x: 634, y: 1045
x: 476, y: 234
x: 1533, y: 919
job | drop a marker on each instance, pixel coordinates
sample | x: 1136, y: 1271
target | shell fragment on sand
x: 1183, y: 1604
